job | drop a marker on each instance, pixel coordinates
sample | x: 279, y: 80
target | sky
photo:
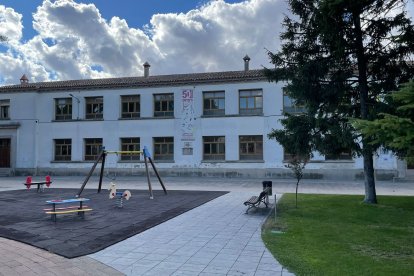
x: 81, y: 39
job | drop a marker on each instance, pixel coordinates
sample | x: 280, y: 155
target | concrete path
x: 216, y: 238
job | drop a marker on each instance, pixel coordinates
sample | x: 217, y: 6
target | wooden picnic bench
x: 255, y: 201
x: 80, y: 210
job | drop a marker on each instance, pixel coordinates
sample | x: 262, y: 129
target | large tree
x: 340, y: 58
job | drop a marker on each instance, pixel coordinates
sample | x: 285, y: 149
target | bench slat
x: 65, y: 208
x: 67, y: 212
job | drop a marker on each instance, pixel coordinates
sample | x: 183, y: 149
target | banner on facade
x: 187, y: 115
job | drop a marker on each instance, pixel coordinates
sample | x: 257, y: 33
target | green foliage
x: 340, y: 58
x: 394, y: 131
x: 339, y: 235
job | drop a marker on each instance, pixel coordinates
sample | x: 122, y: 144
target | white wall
x: 35, y: 113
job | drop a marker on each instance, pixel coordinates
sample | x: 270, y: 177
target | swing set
x: 101, y: 158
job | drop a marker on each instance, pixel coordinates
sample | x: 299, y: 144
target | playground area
x: 22, y: 217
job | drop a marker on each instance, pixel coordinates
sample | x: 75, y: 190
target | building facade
x: 200, y: 124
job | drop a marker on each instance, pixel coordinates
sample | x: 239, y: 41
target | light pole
x: 78, y: 101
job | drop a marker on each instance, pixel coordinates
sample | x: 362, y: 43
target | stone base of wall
x: 325, y: 174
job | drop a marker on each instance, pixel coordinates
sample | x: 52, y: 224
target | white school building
x: 198, y: 124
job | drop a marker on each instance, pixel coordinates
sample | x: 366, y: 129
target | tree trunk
x: 369, y: 179
x: 370, y: 194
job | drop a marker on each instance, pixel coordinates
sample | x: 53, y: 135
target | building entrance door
x: 5, y: 153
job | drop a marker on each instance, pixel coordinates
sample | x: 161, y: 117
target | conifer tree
x: 340, y: 58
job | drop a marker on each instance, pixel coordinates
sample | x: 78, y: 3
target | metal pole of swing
x: 146, y: 153
x: 102, y: 170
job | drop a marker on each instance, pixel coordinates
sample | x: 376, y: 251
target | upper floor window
x: 130, y: 106
x: 93, y: 148
x: 290, y: 105
x: 130, y: 144
x: 213, y: 103
x: 63, y: 109
x: 164, y: 105
x: 63, y: 149
x: 214, y: 148
x: 94, y: 107
x: 4, y: 109
x: 164, y: 148
x: 251, y: 147
x: 251, y: 102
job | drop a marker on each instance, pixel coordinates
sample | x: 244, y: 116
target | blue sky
x: 79, y: 39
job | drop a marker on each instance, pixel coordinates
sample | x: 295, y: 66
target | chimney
x: 24, y: 79
x: 246, y: 63
x: 146, y: 69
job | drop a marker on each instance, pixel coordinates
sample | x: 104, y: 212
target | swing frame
x: 102, y: 158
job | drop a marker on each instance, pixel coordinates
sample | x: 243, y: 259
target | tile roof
x: 135, y: 82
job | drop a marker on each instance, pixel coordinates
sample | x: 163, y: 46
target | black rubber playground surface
x: 23, y: 219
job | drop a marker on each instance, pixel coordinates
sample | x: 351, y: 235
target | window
x: 290, y: 106
x: 251, y: 102
x: 93, y: 147
x: 94, y: 108
x: 163, y: 148
x: 213, y: 103
x: 63, y: 149
x: 4, y: 109
x: 164, y: 105
x: 130, y: 106
x: 346, y: 155
x: 251, y: 147
x: 214, y: 148
x: 63, y: 109
x: 130, y: 144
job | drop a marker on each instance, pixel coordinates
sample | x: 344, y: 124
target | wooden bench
x: 255, y: 201
x: 80, y: 210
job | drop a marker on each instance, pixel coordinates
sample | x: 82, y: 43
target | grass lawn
x: 340, y: 235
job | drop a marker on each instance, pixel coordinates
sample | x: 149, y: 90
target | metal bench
x: 255, y: 201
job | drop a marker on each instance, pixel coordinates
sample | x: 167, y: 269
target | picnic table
x: 81, y: 209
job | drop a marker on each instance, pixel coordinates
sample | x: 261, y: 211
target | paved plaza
x: 217, y: 238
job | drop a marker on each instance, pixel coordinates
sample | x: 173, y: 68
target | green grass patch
x: 340, y: 235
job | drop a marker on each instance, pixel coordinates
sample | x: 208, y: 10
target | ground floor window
x: 63, y: 149
x: 346, y: 155
x: 130, y: 144
x: 251, y: 147
x: 214, y: 148
x: 93, y: 147
x: 164, y: 148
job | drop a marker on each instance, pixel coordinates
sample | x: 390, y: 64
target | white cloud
x: 10, y: 24
x: 74, y: 41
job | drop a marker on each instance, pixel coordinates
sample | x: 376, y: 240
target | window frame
x: 133, y: 144
x: 66, y: 143
x: 133, y: 102
x: 95, y: 144
x: 163, y: 143
x: 5, y: 109
x: 64, y: 116
x: 292, y: 108
x: 97, y: 101
x: 218, y: 95
x: 254, y: 94
x: 220, y: 148
x: 166, y: 111
x: 257, y: 154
